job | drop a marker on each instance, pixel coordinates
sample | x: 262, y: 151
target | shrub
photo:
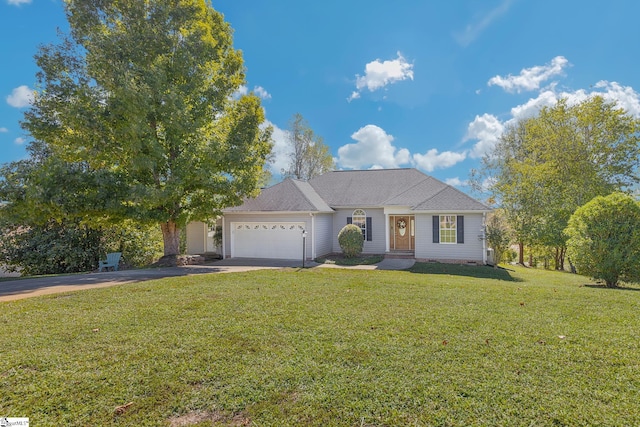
x: 604, y: 239
x: 498, y: 235
x: 140, y: 244
x: 351, y: 240
x: 71, y: 247
x: 56, y: 247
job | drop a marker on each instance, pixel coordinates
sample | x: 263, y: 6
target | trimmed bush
x: 351, y: 240
x: 604, y: 239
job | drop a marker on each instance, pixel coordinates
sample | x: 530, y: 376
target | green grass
x: 459, y: 346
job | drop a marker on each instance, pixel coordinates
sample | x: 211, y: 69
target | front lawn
x: 463, y: 346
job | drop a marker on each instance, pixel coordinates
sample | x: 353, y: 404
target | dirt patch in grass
x: 340, y: 259
x: 215, y: 417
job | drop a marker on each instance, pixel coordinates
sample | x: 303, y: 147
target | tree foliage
x: 51, y: 220
x: 309, y: 156
x: 544, y: 167
x: 44, y: 187
x: 141, y: 94
x: 351, y: 240
x: 604, y: 239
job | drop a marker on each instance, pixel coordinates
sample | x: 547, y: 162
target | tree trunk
x: 521, y: 253
x: 170, y: 237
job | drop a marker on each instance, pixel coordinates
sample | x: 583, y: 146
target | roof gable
x: 417, y: 193
x: 450, y: 199
x: 287, y: 196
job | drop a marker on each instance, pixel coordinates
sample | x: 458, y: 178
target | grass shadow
x: 479, y: 272
x: 604, y: 287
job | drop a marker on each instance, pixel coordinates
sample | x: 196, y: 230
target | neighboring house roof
x: 362, y: 188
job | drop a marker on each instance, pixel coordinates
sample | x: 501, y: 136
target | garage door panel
x: 282, y: 240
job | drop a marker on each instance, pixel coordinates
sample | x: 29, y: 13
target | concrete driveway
x: 25, y: 288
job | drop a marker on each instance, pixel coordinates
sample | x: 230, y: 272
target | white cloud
x: 261, y: 92
x: 18, y: 2
x: 19, y: 141
x: 373, y: 149
x: 20, y: 97
x: 281, y: 150
x: 378, y: 74
x: 433, y: 160
x: 530, y: 78
x: 241, y: 91
x: 487, y: 183
x: 258, y: 90
x: 472, y: 31
x: 530, y: 108
x: 456, y: 182
x: 4, y: 130
x: 625, y: 96
x: 354, y: 95
x: 486, y: 129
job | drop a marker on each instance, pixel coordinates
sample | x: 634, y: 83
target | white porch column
x: 224, y: 241
x: 313, y: 236
x: 386, y: 232
x: 484, y: 238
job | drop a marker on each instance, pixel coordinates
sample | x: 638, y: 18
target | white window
x: 359, y: 218
x: 448, y: 230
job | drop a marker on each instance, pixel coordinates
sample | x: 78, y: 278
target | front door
x: 402, y: 229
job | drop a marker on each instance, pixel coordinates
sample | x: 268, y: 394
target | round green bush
x: 604, y: 239
x: 351, y: 240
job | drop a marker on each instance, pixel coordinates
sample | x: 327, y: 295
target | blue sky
x: 416, y: 83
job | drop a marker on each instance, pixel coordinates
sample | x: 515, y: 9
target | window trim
x: 361, y: 221
x: 453, y: 220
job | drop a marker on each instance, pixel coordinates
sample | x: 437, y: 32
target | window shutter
x: 369, y: 231
x: 349, y: 220
x: 436, y: 229
x: 460, y: 228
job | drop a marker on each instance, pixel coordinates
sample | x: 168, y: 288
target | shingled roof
x: 362, y: 188
x: 290, y: 195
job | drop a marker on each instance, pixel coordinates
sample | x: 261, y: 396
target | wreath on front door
x: 402, y: 225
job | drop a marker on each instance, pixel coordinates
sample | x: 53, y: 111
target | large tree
x: 544, y: 167
x: 309, y: 156
x: 146, y: 92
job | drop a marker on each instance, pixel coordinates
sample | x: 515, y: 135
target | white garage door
x: 281, y: 240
